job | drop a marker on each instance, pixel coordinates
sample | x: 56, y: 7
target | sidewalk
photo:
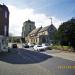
x: 62, y: 54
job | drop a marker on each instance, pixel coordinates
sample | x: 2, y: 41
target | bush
x: 49, y: 48
x: 59, y: 47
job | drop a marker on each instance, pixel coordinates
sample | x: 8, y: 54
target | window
x: 5, y: 14
x: 51, y: 29
x: 5, y: 30
x: 0, y: 45
x: 3, y: 42
x: 36, y: 39
x: 30, y: 27
x: 39, y: 46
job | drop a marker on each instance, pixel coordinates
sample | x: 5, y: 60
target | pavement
x: 62, y: 54
x: 28, y: 62
x: 59, y: 53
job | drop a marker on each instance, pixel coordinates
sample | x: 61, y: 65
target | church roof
x: 35, y: 31
x: 46, y: 28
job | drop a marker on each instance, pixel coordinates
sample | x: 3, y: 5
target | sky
x: 39, y: 11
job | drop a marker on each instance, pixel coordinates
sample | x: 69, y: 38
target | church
x: 41, y: 35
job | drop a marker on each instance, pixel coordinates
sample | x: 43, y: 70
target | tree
x: 23, y: 40
x: 66, y: 33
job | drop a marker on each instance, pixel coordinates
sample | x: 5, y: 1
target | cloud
x: 18, y: 16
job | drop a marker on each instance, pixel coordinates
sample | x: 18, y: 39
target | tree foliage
x: 23, y: 40
x: 66, y: 33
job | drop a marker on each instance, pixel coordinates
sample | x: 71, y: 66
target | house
x: 33, y: 36
x: 4, y: 27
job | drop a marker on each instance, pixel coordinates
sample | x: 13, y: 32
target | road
x: 28, y: 62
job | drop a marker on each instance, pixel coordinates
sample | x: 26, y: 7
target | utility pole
x: 51, y: 20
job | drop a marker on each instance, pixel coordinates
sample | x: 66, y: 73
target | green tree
x: 66, y: 33
x: 23, y: 40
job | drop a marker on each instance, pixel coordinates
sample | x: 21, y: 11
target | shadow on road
x: 23, y: 56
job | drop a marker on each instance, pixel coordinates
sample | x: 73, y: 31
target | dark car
x: 25, y: 46
x: 14, y: 45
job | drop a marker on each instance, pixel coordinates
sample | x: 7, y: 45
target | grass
x: 61, y: 47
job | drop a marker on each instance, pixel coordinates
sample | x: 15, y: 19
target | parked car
x: 25, y: 46
x: 39, y: 47
x: 14, y: 45
x: 48, y: 46
x: 31, y: 45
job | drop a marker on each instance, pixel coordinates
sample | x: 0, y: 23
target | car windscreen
x: 39, y: 46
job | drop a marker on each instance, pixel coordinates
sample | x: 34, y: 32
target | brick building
x: 4, y: 27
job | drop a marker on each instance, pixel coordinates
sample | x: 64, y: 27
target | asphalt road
x: 29, y: 62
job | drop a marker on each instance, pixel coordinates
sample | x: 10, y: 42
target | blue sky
x: 60, y: 10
